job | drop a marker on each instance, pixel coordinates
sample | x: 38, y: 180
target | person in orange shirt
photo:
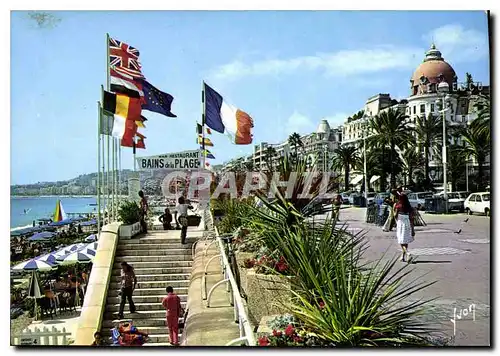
x: 172, y: 304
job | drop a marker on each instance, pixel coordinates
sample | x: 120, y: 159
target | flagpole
x: 134, y: 154
x: 119, y: 172
x: 203, y: 124
x: 108, y: 136
x: 113, y: 141
x: 99, y: 113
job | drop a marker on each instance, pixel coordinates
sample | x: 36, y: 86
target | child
x: 97, y: 339
x: 172, y: 304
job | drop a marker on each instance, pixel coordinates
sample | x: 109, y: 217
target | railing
x: 246, y: 333
x: 44, y: 337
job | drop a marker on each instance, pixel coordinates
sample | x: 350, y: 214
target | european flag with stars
x: 157, y: 101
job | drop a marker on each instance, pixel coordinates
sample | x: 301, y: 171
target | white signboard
x: 173, y: 161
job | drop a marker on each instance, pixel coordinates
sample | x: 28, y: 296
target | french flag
x: 225, y: 118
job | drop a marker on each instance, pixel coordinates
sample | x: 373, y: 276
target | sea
x: 23, y: 210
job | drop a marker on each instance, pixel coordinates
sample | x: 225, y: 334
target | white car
x: 455, y: 200
x: 370, y: 198
x: 478, y: 203
x: 419, y: 198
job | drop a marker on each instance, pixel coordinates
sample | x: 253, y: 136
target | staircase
x: 159, y: 260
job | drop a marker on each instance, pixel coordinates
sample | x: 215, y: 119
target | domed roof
x: 434, y: 68
x: 323, y: 128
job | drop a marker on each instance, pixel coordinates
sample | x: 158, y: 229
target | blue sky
x: 288, y: 70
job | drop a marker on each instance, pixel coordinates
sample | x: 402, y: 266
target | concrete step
x: 152, y: 246
x: 156, y: 258
x: 144, y: 298
x: 151, y: 270
x: 146, y: 315
x: 158, y: 291
x: 156, y: 277
x: 155, y: 284
x: 150, y: 330
x: 157, y: 264
x: 138, y: 322
x: 158, y: 251
x: 159, y: 344
x: 140, y: 306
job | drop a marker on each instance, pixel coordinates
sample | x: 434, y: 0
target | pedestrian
x: 181, y: 215
x: 144, y: 211
x: 391, y: 221
x: 172, y: 304
x: 405, y: 230
x: 97, y: 339
x: 166, y: 219
x: 336, y: 206
x: 128, y: 284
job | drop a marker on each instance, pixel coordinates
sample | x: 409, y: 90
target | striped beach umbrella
x: 59, y: 214
x: 34, y: 290
x: 92, y: 246
x: 51, y: 258
x: 34, y: 265
x: 75, y: 257
x: 91, y: 238
x: 69, y: 249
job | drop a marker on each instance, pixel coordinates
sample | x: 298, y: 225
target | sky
x: 287, y: 69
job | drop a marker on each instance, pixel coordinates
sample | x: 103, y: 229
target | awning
x: 374, y: 179
x: 357, y: 179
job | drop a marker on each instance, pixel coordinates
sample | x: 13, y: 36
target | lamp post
x: 325, y: 158
x: 443, y: 88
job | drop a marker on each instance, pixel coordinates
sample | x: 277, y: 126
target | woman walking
x: 405, y: 231
x: 129, y: 282
x: 181, y: 217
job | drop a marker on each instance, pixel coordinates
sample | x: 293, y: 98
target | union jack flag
x: 124, y: 58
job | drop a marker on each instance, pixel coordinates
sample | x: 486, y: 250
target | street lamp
x: 325, y: 158
x: 443, y: 88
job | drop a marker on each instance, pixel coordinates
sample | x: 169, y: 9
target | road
x: 458, y: 262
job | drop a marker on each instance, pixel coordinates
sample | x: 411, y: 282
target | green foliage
x: 129, y: 212
x: 281, y: 321
x: 234, y: 210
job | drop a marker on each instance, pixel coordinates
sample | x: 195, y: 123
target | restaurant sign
x: 173, y: 161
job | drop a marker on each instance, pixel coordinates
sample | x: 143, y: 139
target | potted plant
x: 129, y: 215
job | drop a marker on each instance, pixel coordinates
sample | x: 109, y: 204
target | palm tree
x: 248, y: 166
x: 456, y: 166
x: 429, y: 133
x: 390, y: 130
x: 295, y: 142
x: 477, y: 140
x: 411, y: 160
x: 269, y: 154
x: 345, y: 158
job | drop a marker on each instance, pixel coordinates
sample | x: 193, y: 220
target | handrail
x: 246, y: 332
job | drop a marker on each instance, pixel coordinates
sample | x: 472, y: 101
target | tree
x: 345, y: 158
x: 411, y: 160
x: 295, y: 142
x: 269, y: 154
x: 477, y: 140
x: 429, y: 134
x: 456, y: 166
x: 390, y: 130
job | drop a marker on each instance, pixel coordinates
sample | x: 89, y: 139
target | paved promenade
x: 458, y: 262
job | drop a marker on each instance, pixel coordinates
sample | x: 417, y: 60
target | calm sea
x: 43, y: 207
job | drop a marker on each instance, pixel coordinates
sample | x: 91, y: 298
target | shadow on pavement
x: 423, y: 261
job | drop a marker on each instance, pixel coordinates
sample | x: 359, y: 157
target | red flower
x: 263, y: 341
x: 297, y: 339
x: 321, y: 304
x: 289, y: 330
x: 277, y: 333
x: 281, y: 266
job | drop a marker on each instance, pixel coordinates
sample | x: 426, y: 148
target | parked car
x: 478, y: 203
x: 345, y: 197
x: 419, y: 198
x: 352, y: 196
x: 370, y: 198
x: 455, y: 200
x: 380, y: 197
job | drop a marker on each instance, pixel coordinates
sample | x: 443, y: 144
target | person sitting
x: 126, y: 334
x: 97, y: 339
x: 166, y: 219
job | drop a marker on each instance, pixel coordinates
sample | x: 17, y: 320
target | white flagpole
x: 98, y: 183
x: 108, y: 136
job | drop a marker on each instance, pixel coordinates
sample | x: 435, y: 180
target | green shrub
x: 129, y: 213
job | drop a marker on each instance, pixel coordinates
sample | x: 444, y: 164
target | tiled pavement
x: 458, y: 262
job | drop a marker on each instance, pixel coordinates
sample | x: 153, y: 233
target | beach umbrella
x: 51, y: 258
x: 92, y: 246
x: 42, y: 236
x: 69, y: 249
x: 75, y: 257
x: 34, y: 265
x: 34, y: 290
x: 91, y: 238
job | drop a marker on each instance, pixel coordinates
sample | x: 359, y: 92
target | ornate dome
x: 433, y: 70
x: 323, y: 128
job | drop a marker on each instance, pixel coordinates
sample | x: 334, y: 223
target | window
x: 414, y: 109
x: 478, y: 198
x: 422, y: 108
x: 432, y: 107
x: 486, y: 197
